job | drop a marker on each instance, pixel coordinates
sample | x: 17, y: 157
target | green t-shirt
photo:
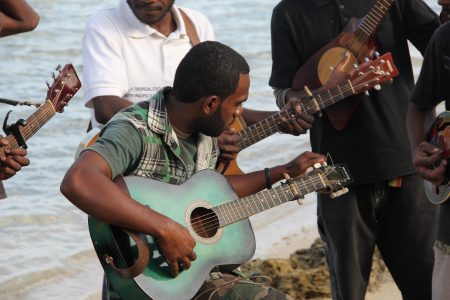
x: 121, y: 147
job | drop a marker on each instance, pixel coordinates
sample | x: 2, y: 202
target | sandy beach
x: 277, y: 237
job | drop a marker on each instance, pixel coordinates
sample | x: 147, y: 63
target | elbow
x: 32, y: 23
x: 71, y: 184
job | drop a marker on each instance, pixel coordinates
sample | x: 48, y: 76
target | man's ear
x: 210, y: 105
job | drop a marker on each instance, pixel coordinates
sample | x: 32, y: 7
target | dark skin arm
x: 105, y: 107
x: 88, y: 185
x: 13, y: 161
x: 16, y: 16
x: 251, y: 183
x: 424, y: 154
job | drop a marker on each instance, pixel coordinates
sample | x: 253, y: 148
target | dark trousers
x: 400, y: 221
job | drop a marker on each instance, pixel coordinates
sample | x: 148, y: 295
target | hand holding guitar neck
x: 13, y: 161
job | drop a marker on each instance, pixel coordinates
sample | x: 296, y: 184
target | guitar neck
x: 371, y: 21
x: 265, y: 128
x: 240, y: 209
x: 33, y: 124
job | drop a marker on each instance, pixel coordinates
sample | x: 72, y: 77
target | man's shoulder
x: 288, y: 5
x: 443, y: 32
x: 136, y: 114
x: 103, y: 19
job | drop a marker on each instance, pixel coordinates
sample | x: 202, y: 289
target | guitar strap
x: 190, y: 29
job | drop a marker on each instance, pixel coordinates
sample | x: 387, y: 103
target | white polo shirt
x: 124, y: 57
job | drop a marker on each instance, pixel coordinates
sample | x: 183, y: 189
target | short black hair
x: 209, y: 68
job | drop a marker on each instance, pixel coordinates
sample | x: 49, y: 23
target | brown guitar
x: 64, y: 87
x: 358, y: 39
x: 369, y: 75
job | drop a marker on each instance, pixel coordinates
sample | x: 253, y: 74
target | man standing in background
x: 386, y: 205
x: 133, y: 50
x: 433, y: 87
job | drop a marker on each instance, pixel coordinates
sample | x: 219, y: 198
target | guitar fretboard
x: 33, y: 124
x: 260, y: 130
x: 234, y: 211
x: 372, y: 20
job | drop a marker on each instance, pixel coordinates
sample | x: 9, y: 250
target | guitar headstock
x: 64, y: 87
x: 335, y: 178
x: 373, y: 73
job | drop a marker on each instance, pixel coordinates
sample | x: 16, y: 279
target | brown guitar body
x: 316, y: 71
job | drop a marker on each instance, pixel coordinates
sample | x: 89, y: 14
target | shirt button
x: 341, y: 6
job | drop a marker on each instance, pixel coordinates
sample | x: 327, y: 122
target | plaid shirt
x: 161, y: 159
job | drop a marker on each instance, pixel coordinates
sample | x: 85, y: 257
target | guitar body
x: 317, y: 69
x: 439, y: 136
x: 231, y: 245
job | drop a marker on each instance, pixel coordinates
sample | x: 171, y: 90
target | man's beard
x: 213, y: 126
x: 163, y: 13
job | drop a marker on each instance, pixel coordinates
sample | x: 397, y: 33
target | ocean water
x: 46, y: 252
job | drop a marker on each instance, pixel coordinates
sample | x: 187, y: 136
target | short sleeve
x: 120, y: 145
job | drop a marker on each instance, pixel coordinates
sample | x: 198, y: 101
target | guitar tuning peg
x: 367, y: 93
x: 366, y: 59
x: 48, y: 84
x: 317, y: 165
x: 356, y: 66
x: 382, y: 61
x: 377, y: 54
x: 324, y: 164
x: 390, y: 81
x: 53, y: 76
x: 58, y: 68
x: 377, y: 87
x: 309, y: 169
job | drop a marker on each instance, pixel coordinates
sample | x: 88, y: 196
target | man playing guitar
x: 430, y: 161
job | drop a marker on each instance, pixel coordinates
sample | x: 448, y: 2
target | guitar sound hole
x: 204, y: 222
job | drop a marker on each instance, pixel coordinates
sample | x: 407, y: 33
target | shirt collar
x: 159, y: 123
x: 137, y: 29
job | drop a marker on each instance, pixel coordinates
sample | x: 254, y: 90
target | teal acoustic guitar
x: 208, y: 207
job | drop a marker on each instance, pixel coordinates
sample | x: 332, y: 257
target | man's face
x: 150, y: 11
x: 230, y: 108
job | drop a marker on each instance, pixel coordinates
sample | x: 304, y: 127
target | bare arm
x: 16, y: 16
x: 251, y: 183
x: 88, y: 186
x: 106, y: 107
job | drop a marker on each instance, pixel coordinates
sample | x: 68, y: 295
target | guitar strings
x: 237, y: 205
x: 39, y: 117
x: 248, y: 136
x: 230, y: 211
x: 42, y: 112
x: 369, y: 24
